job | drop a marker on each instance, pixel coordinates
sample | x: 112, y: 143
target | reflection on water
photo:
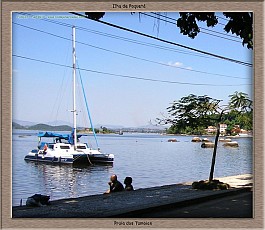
x: 149, y: 159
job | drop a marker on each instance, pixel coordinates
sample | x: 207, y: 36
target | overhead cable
x: 165, y: 41
x: 209, y: 33
x: 192, y: 53
x: 173, y: 19
x: 122, y: 76
x: 130, y: 56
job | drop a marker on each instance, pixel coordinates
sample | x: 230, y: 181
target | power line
x: 127, y: 55
x: 165, y: 41
x: 173, y: 19
x: 122, y: 38
x: 126, y: 39
x: 174, y: 23
x: 120, y: 75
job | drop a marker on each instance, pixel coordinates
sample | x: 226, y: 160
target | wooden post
x: 215, y: 147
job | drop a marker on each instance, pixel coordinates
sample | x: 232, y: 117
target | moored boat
x: 67, y: 148
x: 61, y: 150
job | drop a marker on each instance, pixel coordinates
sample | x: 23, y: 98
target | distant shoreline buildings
x: 223, y: 130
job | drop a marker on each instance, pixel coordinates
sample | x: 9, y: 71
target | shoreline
x: 130, y: 132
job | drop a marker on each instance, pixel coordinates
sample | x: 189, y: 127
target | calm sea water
x: 148, y: 158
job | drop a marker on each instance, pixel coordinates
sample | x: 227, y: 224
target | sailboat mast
x: 74, y: 89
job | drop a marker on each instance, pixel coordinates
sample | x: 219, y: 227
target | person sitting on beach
x: 128, y: 184
x: 115, y: 185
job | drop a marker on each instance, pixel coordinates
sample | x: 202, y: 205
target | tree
x: 240, y: 101
x: 196, y: 111
x: 239, y: 23
x: 191, y: 111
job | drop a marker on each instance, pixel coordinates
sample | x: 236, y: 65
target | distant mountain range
x: 43, y: 127
x: 65, y: 126
x: 51, y: 123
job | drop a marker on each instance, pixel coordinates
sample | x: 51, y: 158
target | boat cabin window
x: 81, y: 147
x: 64, y: 147
x: 51, y: 146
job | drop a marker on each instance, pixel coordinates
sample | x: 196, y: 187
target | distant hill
x: 42, y: 127
x: 17, y: 126
x: 50, y: 128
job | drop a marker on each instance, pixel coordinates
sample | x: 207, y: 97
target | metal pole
x: 74, y: 80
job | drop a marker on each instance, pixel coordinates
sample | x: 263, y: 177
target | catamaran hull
x: 59, y: 160
x: 78, y: 159
x: 101, y: 160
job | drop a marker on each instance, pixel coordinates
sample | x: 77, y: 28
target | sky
x: 42, y: 92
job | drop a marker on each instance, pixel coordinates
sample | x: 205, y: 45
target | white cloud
x: 177, y: 64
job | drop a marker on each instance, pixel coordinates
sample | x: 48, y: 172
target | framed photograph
x: 163, y: 98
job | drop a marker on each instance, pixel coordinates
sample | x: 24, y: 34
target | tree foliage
x: 188, y: 22
x: 192, y: 114
x: 239, y: 23
x: 95, y: 15
x: 240, y: 101
x: 242, y: 25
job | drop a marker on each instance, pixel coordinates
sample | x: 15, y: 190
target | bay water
x: 148, y: 158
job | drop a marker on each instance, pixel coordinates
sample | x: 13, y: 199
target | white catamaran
x: 67, y: 148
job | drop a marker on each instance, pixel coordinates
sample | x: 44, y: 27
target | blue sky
x: 42, y: 92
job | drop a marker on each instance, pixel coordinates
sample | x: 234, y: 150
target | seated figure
x: 128, y: 184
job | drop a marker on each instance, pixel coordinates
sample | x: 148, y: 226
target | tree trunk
x: 214, y: 152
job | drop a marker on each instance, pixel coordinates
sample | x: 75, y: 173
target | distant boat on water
x: 67, y: 148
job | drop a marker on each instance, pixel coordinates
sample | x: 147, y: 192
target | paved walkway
x: 232, y: 206
x: 123, y: 203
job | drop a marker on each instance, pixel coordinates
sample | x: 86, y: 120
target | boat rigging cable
x: 87, y: 108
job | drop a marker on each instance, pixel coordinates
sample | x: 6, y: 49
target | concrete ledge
x: 180, y: 204
x: 128, y: 204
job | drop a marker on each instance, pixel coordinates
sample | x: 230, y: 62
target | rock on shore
x: 196, y: 139
x: 231, y: 144
x: 207, y: 145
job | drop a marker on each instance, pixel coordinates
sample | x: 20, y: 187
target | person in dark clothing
x: 115, y: 185
x: 128, y: 184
